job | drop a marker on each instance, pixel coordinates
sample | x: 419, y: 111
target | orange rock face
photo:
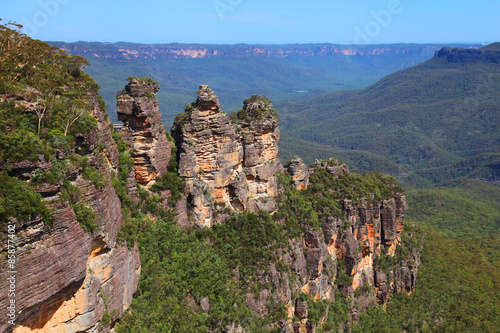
x: 351, y: 245
x: 228, y: 161
x: 143, y: 131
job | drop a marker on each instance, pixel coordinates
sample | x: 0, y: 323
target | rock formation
x: 258, y: 124
x: 228, y: 163
x: 67, y: 279
x: 299, y: 172
x: 346, y: 255
x: 143, y: 130
x: 77, y: 281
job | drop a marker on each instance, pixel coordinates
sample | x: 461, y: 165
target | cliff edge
x: 69, y: 275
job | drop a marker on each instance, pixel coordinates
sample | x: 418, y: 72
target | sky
x: 258, y: 21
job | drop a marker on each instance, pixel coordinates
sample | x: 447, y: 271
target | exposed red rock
x: 64, y: 274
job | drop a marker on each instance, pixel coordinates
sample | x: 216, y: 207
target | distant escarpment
x: 461, y: 55
x: 129, y: 51
x: 227, y: 162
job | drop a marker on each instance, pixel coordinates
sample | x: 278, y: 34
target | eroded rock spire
x: 143, y: 130
x: 229, y: 163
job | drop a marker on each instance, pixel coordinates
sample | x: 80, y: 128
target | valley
x: 293, y: 188
x: 280, y: 72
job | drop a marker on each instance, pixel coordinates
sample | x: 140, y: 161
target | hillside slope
x: 439, y: 113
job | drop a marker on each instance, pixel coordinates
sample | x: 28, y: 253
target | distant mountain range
x: 130, y: 51
x: 281, y: 72
x: 437, y: 121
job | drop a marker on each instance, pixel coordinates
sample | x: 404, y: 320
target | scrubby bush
x: 19, y: 200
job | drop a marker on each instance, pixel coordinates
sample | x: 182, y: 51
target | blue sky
x: 258, y: 21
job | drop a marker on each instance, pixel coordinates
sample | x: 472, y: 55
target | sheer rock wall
x: 66, y: 278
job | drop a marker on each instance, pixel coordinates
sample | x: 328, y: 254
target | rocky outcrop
x: 228, y: 164
x: 258, y: 124
x: 143, y: 130
x: 67, y: 279
x: 299, y: 172
x: 78, y: 281
x: 333, y: 167
x: 354, y: 253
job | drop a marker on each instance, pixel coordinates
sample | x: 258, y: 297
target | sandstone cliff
x: 355, y: 247
x: 68, y: 279
x: 143, y: 130
x: 228, y: 164
x: 84, y: 281
x: 488, y: 54
x: 358, y: 252
x: 308, y: 239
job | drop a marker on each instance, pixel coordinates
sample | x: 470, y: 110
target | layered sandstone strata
x: 143, y: 130
x: 343, y: 256
x: 229, y: 164
x: 67, y: 279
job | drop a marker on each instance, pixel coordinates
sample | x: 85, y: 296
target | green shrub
x: 102, y: 104
x: 86, y: 216
x: 70, y: 193
x: 142, y: 79
x: 106, y: 319
x: 84, y: 124
x: 120, y: 142
x: 97, y: 178
x: 19, y: 200
x: 384, y: 261
x: 21, y: 145
x: 172, y: 182
x: 59, y: 141
x: 181, y: 119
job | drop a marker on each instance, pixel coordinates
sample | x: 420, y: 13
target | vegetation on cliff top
x: 180, y: 268
x: 145, y: 80
x: 255, y: 108
x: 45, y: 104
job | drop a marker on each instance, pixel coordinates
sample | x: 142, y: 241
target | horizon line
x: 275, y: 44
